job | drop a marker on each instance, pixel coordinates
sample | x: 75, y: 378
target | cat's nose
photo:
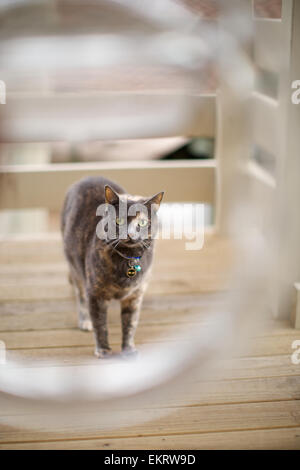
x: 132, y: 234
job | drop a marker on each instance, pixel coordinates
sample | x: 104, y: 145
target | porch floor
x: 255, y: 405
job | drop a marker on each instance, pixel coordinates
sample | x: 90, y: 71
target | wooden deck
x: 254, y: 405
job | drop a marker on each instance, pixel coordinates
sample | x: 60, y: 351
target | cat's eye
x: 143, y: 222
x: 120, y: 221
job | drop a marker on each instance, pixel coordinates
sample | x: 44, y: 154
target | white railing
x: 27, y: 186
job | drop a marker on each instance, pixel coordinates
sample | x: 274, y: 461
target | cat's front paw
x: 103, y: 353
x: 85, y: 325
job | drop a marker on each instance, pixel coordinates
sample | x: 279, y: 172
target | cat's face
x: 134, y: 218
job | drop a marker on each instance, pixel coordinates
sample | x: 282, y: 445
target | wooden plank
x: 200, y: 316
x: 210, y: 266
x: 268, y: 44
x: 243, y: 391
x: 181, y: 281
x: 267, y: 439
x: 146, y: 334
x: 32, y: 256
x: 266, y: 123
x: 151, y: 333
x: 187, y: 420
x: 36, y: 274
x: 178, y: 283
x: 182, y: 303
x: 45, y: 186
x: 260, y: 367
x: 109, y: 115
x: 239, y: 368
x: 19, y: 271
x: 193, y: 393
x: 166, y: 309
x: 23, y: 317
x: 40, y: 278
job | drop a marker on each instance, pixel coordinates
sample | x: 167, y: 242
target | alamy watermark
x: 137, y: 222
x: 2, y: 92
x: 296, y: 94
x: 295, y: 358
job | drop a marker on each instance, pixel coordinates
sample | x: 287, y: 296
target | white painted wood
x: 266, y: 123
x: 268, y: 44
x: 259, y: 188
x: 45, y: 186
x: 20, y: 221
x: 296, y: 309
x: 287, y: 227
x: 29, y: 220
x: 233, y: 104
x: 114, y: 115
x: 258, y: 173
x: 140, y: 38
x: 276, y: 129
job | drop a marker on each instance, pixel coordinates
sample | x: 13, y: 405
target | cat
x: 105, y: 266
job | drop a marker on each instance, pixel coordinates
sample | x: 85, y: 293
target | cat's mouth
x: 130, y: 243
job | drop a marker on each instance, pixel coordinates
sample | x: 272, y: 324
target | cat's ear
x: 111, y: 197
x: 155, y: 200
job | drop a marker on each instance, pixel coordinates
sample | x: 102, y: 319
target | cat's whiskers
x: 112, y: 242
x: 145, y: 244
x: 115, y: 246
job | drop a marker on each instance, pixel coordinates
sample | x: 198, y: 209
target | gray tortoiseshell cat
x: 105, y: 269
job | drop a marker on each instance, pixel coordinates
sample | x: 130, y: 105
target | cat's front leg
x: 130, y: 312
x: 98, y: 314
x: 84, y: 320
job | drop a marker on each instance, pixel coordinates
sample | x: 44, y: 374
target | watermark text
x: 296, y: 93
x: 295, y: 358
